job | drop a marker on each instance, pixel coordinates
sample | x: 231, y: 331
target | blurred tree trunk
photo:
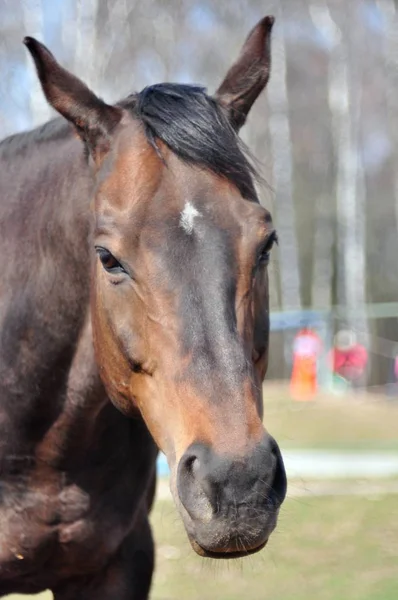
x: 345, y: 102
x: 284, y: 209
x: 380, y: 144
x: 279, y: 128
x: 325, y: 208
x: 86, y: 42
x: 34, y: 27
x: 389, y: 12
x: 112, y: 26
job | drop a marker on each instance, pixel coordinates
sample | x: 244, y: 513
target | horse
x: 134, y: 316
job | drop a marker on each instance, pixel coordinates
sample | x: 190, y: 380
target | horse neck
x: 46, y: 188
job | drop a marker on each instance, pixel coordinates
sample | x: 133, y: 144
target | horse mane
x: 191, y: 123
x: 195, y: 127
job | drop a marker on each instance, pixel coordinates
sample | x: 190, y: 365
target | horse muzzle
x: 230, y: 504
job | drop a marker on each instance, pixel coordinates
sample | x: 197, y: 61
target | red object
x: 350, y: 363
x: 306, y: 349
x: 396, y: 367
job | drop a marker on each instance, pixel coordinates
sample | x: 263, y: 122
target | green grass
x: 331, y: 548
x: 331, y: 422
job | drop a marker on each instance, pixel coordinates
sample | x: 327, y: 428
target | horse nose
x: 212, y: 486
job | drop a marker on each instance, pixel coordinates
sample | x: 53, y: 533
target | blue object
x: 163, y: 467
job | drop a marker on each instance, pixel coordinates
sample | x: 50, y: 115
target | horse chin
x: 224, y: 554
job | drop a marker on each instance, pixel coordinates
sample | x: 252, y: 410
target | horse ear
x: 249, y: 75
x: 93, y: 119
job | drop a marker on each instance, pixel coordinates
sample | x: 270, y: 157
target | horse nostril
x: 191, y: 483
x: 279, y: 482
x: 190, y: 465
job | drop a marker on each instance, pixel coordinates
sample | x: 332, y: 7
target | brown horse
x: 154, y: 210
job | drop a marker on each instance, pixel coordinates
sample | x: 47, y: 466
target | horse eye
x: 263, y: 257
x: 109, y: 262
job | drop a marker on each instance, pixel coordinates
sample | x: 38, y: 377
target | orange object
x: 304, y: 380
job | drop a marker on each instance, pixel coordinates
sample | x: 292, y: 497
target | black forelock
x: 195, y: 127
